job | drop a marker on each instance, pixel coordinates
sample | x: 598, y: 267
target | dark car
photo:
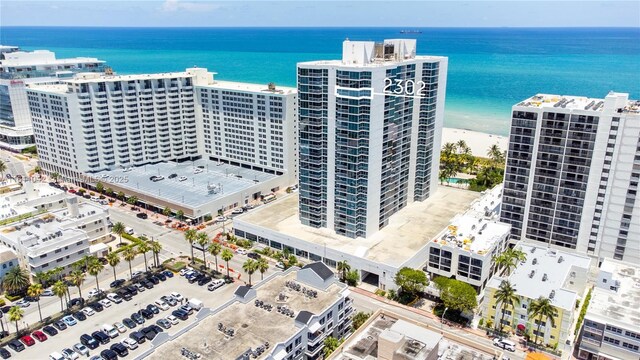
x: 180, y: 314
x: 4, y: 353
x: 172, y: 176
x: 129, y: 323
x: 108, y: 354
x: 133, y: 290
x: 60, y: 325
x: 50, y: 330
x: 195, y: 278
x: 168, y: 273
x: 149, y: 332
x: 101, y: 337
x: 253, y: 255
x: 120, y: 349
x: 80, y: 316
x: 5, y: 309
x: 146, y: 313
x: 138, y: 336
x: 76, y: 302
x: 138, y: 318
x: 124, y: 294
x: 88, y: 341
x: 142, y: 216
x: 147, y: 284
x: 154, y: 309
x: 16, y: 345
x: 161, y: 276
x: 156, y: 328
x: 154, y: 279
x: 169, y: 300
x: 117, y: 283
x: 204, y: 280
x: 97, y: 307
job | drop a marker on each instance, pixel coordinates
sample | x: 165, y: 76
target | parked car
x: 110, y: 330
x: 138, y: 337
x: 69, y: 320
x: 97, y: 306
x: 47, y: 292
x: 215, y: 284
x: 60, y: 325
x: 101, y: 337
x: 129, y: 323
x: 130, y: 343
x: 182, y: 178
x: 280, y: 265
x: 88, y: 311
x: 117, y: 283
x: 237, y: 211
x: 56, y: 356
x: 28, y: 340
x: 120, y: 349
x: 81, y: 349
x: 69, y: 354
x: 108, y: 354
x: 172, y: 176
x: 164, y: 323
x: 115, y: 298
x: 147, y: 314
x: 161, y: 276
x: 180, y: 314
x: 204, y: 280
x: 94, y: 292
x: 4, y: 353
x: 76, y: 302
x: 169, y: 300
x: 505, y: 344
x: 88, y: 341
x: 22, y: 303
x: 162, y: 305
x: 186, y: 308
x: 168, y: 273
x: 124, y: 294
x: 149, y: 332
x: 79, y: 315
x: 50, y: 330
x: 105, y: 302
x: 138, y: 318
x: 147, y: 284
x: 253, y: 255
x: 142, y: 216
x: 38, y: 334
x: 154, y: 279
x: 172, y: 319
x: 120, y: 327
x: 16, y: 345
x: 133, y: 290
x: 154, y: 309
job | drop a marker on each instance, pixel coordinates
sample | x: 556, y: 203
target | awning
x: 281, y: 354
x: 521, y: 327
x: 314, y: 327
x: 537, y: 356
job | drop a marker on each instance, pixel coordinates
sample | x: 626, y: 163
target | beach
x: 478, y: 142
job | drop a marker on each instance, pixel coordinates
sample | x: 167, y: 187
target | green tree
x: 496, y: 155
x: 215, y: 249
x: 262, y: 265
x: 16, y: 314
x: 16, y: 280
x: 55, y: 176
x: 203, y: 239
x: 121, y: 195
x: 94, y: 268
x: 35, y: 290
x: 457, y: 295
x: 128, y: 255
x: 411, y: 281
x: 144, y: 248
x: 109, y: 192
x: 37, y: 170
x: 190, y: 237
x: 250, y: 267
x: 99, y: 187
x: 359, y: 318
x: 118, y: 229
x: 155, y: 247
x: 343, y: 267
x: 166, y: 212
x: 179, y: 214
x: 507, y: 296
x: 132, y: 200
x: 227, y: 255
x: 542, y: 309
x: 113, y: 259
x: 330, y: 345
x: 77, y: 278
x: 60, y: 290
x: 42, y: 277
x: 509, y: 259
x: 3, y: 168
x: 352, y: 278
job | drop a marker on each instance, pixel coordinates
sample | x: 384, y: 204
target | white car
x: 197, y: 171
x: 80, y: 349
x: 221, y: 219
x: 237, y: 211
x: 105, y: 302
x: 94, y: 292
x: 130, y: 343
x: 88, y: 311
x: 48, y: 292
x: 162, y: 305
x: 22, y: 303
x: 280, y: 265
x: 241, y: 251
x: 184, y: 271
x: 137, y: 273
x: 172, y: 319
x: 182, y: 178
x: 114, y: 297
x: 120, y: 327
x: 177, y: 296
x: 69, y: 354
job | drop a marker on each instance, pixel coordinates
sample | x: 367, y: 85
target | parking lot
x: 116, y: 312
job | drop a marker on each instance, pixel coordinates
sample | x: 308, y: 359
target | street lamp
x: 442, y: 320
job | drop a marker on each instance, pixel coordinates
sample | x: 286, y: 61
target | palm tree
x: 179, y: 214
x: 15, y: 314
x: 77, y: 278
x: 55, y: 176
x: 517, y: 254
x: 343, y: 267
x: 56, y: 273
x: 42, y: 277
x: 507, y: 296
x: 128, y: 255
x: 16, y: 280
x: 166, y: 211
x: 156, y: 247
x: 143, y: 248
x: 262, y: 265
x: 226, y: 256
x: 113, y: 259
x: 496, y: 155
x: 121, y: 195
x: 132, y: 200
x: 118, y: 229
x: 249, y: 267
x: 215, y: 249
x: 203, y: 239
x: 94, y: 268
x: 190, y: 237
x: 60, y: 290
x: 35, y: 290
x: 542, y: 309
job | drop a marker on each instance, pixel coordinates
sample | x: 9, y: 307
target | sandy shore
x: 477, y: 141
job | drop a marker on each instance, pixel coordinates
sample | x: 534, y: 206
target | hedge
x: 13, y: 298
x: 16, y: 218
x: 583, y: 312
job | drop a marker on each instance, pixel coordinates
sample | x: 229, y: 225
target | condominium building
x: 572, y: 174
x: 286, y: 316
x: 611, y: 327
x: 466, y: 248
x: 370, y: 128
x: 557, y: 275
x: 251, y: 125
x: 19, y: 70
x: 57, y: 238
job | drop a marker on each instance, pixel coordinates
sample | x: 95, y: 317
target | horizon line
x: 320, y: 27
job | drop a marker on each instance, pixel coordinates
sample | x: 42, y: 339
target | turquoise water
x: 489, y: 69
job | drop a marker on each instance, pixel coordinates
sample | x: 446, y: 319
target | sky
x: 320, y: 13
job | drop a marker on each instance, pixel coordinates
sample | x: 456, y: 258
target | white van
x: 128, y: 230
x: 110, y: 330
x: 56, y: 356
x: 505, y: 344
x: 195, y: 304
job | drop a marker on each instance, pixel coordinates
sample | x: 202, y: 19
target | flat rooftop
x: 545, y: 271
x: 53, y: 88
x: 20, y: 201
x: 618, y: 307
x: 377, y: 63
x: 408, y: 230
x: 542, y: 101
x: 83, y: 78
x: 216, y: 181
x: 416, y: 342
x: 240, y: 86
x: 253, y: 326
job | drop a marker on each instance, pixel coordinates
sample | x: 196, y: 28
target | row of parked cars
x: 196, y: 277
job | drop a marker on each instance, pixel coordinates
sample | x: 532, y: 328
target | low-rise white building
x: 611, y: 327
x: 8, y: 260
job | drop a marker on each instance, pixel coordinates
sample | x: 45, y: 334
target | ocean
x: 490, y: 69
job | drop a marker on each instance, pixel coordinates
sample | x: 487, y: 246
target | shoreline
x: 479, y: 142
